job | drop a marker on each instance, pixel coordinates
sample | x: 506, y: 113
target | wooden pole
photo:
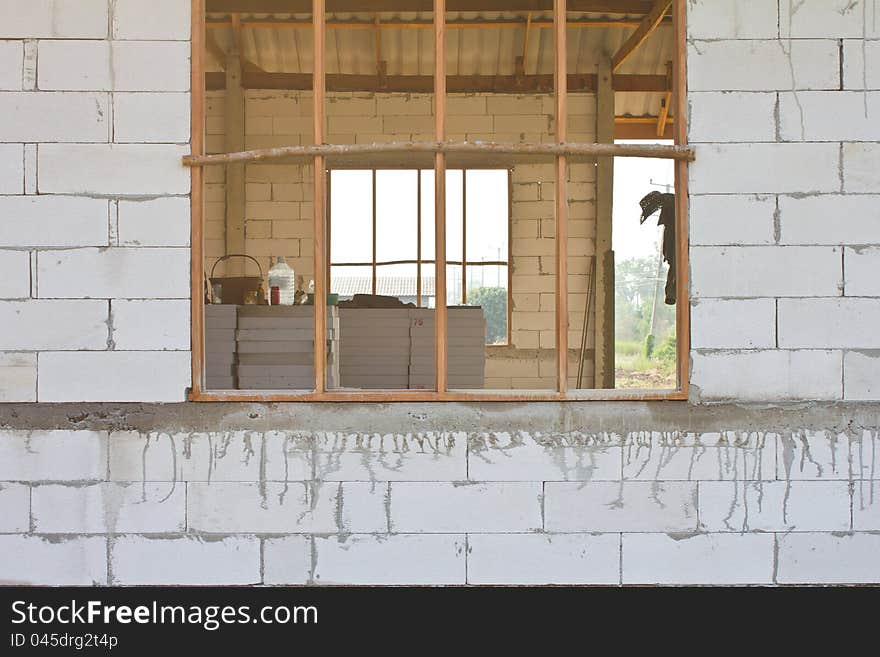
x: 440, y: 328
x: 319, y: 218
x: 682, y: 309
x: 604, y: 324
x: 561, y: 108
x: 235, y: 175
x: 197, y: 244
x: 677, y: 152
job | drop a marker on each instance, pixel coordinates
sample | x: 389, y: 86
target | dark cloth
x: 666, y: 204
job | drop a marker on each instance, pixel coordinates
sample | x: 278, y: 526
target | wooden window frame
x: 419, y: 261
x: 680, y: 153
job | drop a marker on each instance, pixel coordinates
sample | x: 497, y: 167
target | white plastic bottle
x: 282, y: 276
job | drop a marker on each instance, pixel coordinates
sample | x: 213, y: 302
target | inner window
x: 382, y: 239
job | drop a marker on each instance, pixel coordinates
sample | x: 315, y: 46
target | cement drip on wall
x: 592, y: 417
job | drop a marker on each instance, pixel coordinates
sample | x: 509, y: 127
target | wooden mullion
x: 464, y: 262
x: 682, y: 300
x: 419, y: 238
x: 319, y: 200
x: 440, y: 327
x: 197, y: 244
x: 374, y: 284
x: 560, y: 75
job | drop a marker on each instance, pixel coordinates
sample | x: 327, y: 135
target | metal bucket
x: 233, y: 289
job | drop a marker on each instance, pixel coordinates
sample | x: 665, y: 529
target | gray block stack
x: 465, y: 353
x: 220, y: 325
x: 375, y: 348
x: 275, y: 346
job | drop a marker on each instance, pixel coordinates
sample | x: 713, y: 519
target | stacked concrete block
x: 466, y: 351
x: 275, y: 348
x: 375, y: 348
x: 220, y: 324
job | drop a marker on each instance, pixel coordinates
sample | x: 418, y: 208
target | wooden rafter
x: 454, y: 83
x: 650, y: 23
x: 641, y: 7
x: 663, y: 117
x: 520, y: 64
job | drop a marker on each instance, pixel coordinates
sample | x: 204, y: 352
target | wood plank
x: 319, y: 217
x: 369, y: 6
x: 197, y: 244
x: 440, y: 314
x: 419, y: 24
x: 663, y: 117
x: 235, y: 173
x: 501, y: 84
x: 649, y: 24
x: 657, y: 151
x: 560, y: 75
x: 682, y: 250
x: 604, y: 306
x: 411, y: 396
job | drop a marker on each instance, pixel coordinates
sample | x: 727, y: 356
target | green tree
x: 493, y: 300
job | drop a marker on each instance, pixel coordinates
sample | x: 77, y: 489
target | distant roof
x: 392, y: 286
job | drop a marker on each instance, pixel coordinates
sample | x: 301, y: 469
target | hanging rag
x: 666, y: 204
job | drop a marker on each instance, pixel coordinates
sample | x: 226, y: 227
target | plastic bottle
x: 282, y: 277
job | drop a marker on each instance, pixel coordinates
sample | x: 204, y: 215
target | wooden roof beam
x: 650, y: 23
x: 641, y: 7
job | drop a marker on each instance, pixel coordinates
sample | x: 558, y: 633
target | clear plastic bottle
x: 282, y: 276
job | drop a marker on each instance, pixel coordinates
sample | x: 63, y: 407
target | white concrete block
x: 771, y: 375
x: 15, y: 282
x: 765, y: 271
x: 861, y: 267
x: 11, y: 64
x: 500, y: 456
x: 128, y: 273
x: 816, y: 455
x: 830, y: 219
x: 731, y: 219
x: 374, y: 457
x: 109, y: 508
x: 826, y: 19
x: 241, y: 456
x: 41, y: 561
x: 30, y: 169
x: 465, y: 507
x: 697, y: 559
x: 826, y: 558
x: 843, y: 323
x: 540, y: 559
x: 763, y: 65
x: 185, y: 561
x: 829, y: 116
x: 774, y: 506
x: 117, y: 65
x: 110, y: 169
x: 54, y: 116
x: 861, y: 168
x: 620, y: 507
x: 740, y: 457
x: 11, y: 169
x: 866, y: 506
x: 733, y: 324
x: 855, y: 74
x: 53, y: 221
x: 766, y: 169
x: 276, y: 507
x: 731, y: 117
x: 151, y: 117
x: 15, y: 508
x: 156, y: 222
x: 45, y: 19
x: 732, y: 19
x: 386, y: 560
x: 860, y: 376
x: 135, y: 376
x: 18, y: 377
x: 160, y: 19
x: 151, y: 325
x: 53, y: 455
x: 287, y: 560
x: 37, y: 325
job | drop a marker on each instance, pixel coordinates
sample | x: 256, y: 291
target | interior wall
x: 278, y: 213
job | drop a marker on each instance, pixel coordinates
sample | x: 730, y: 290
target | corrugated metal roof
x: 392, y: 286
x: 470, y: 51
